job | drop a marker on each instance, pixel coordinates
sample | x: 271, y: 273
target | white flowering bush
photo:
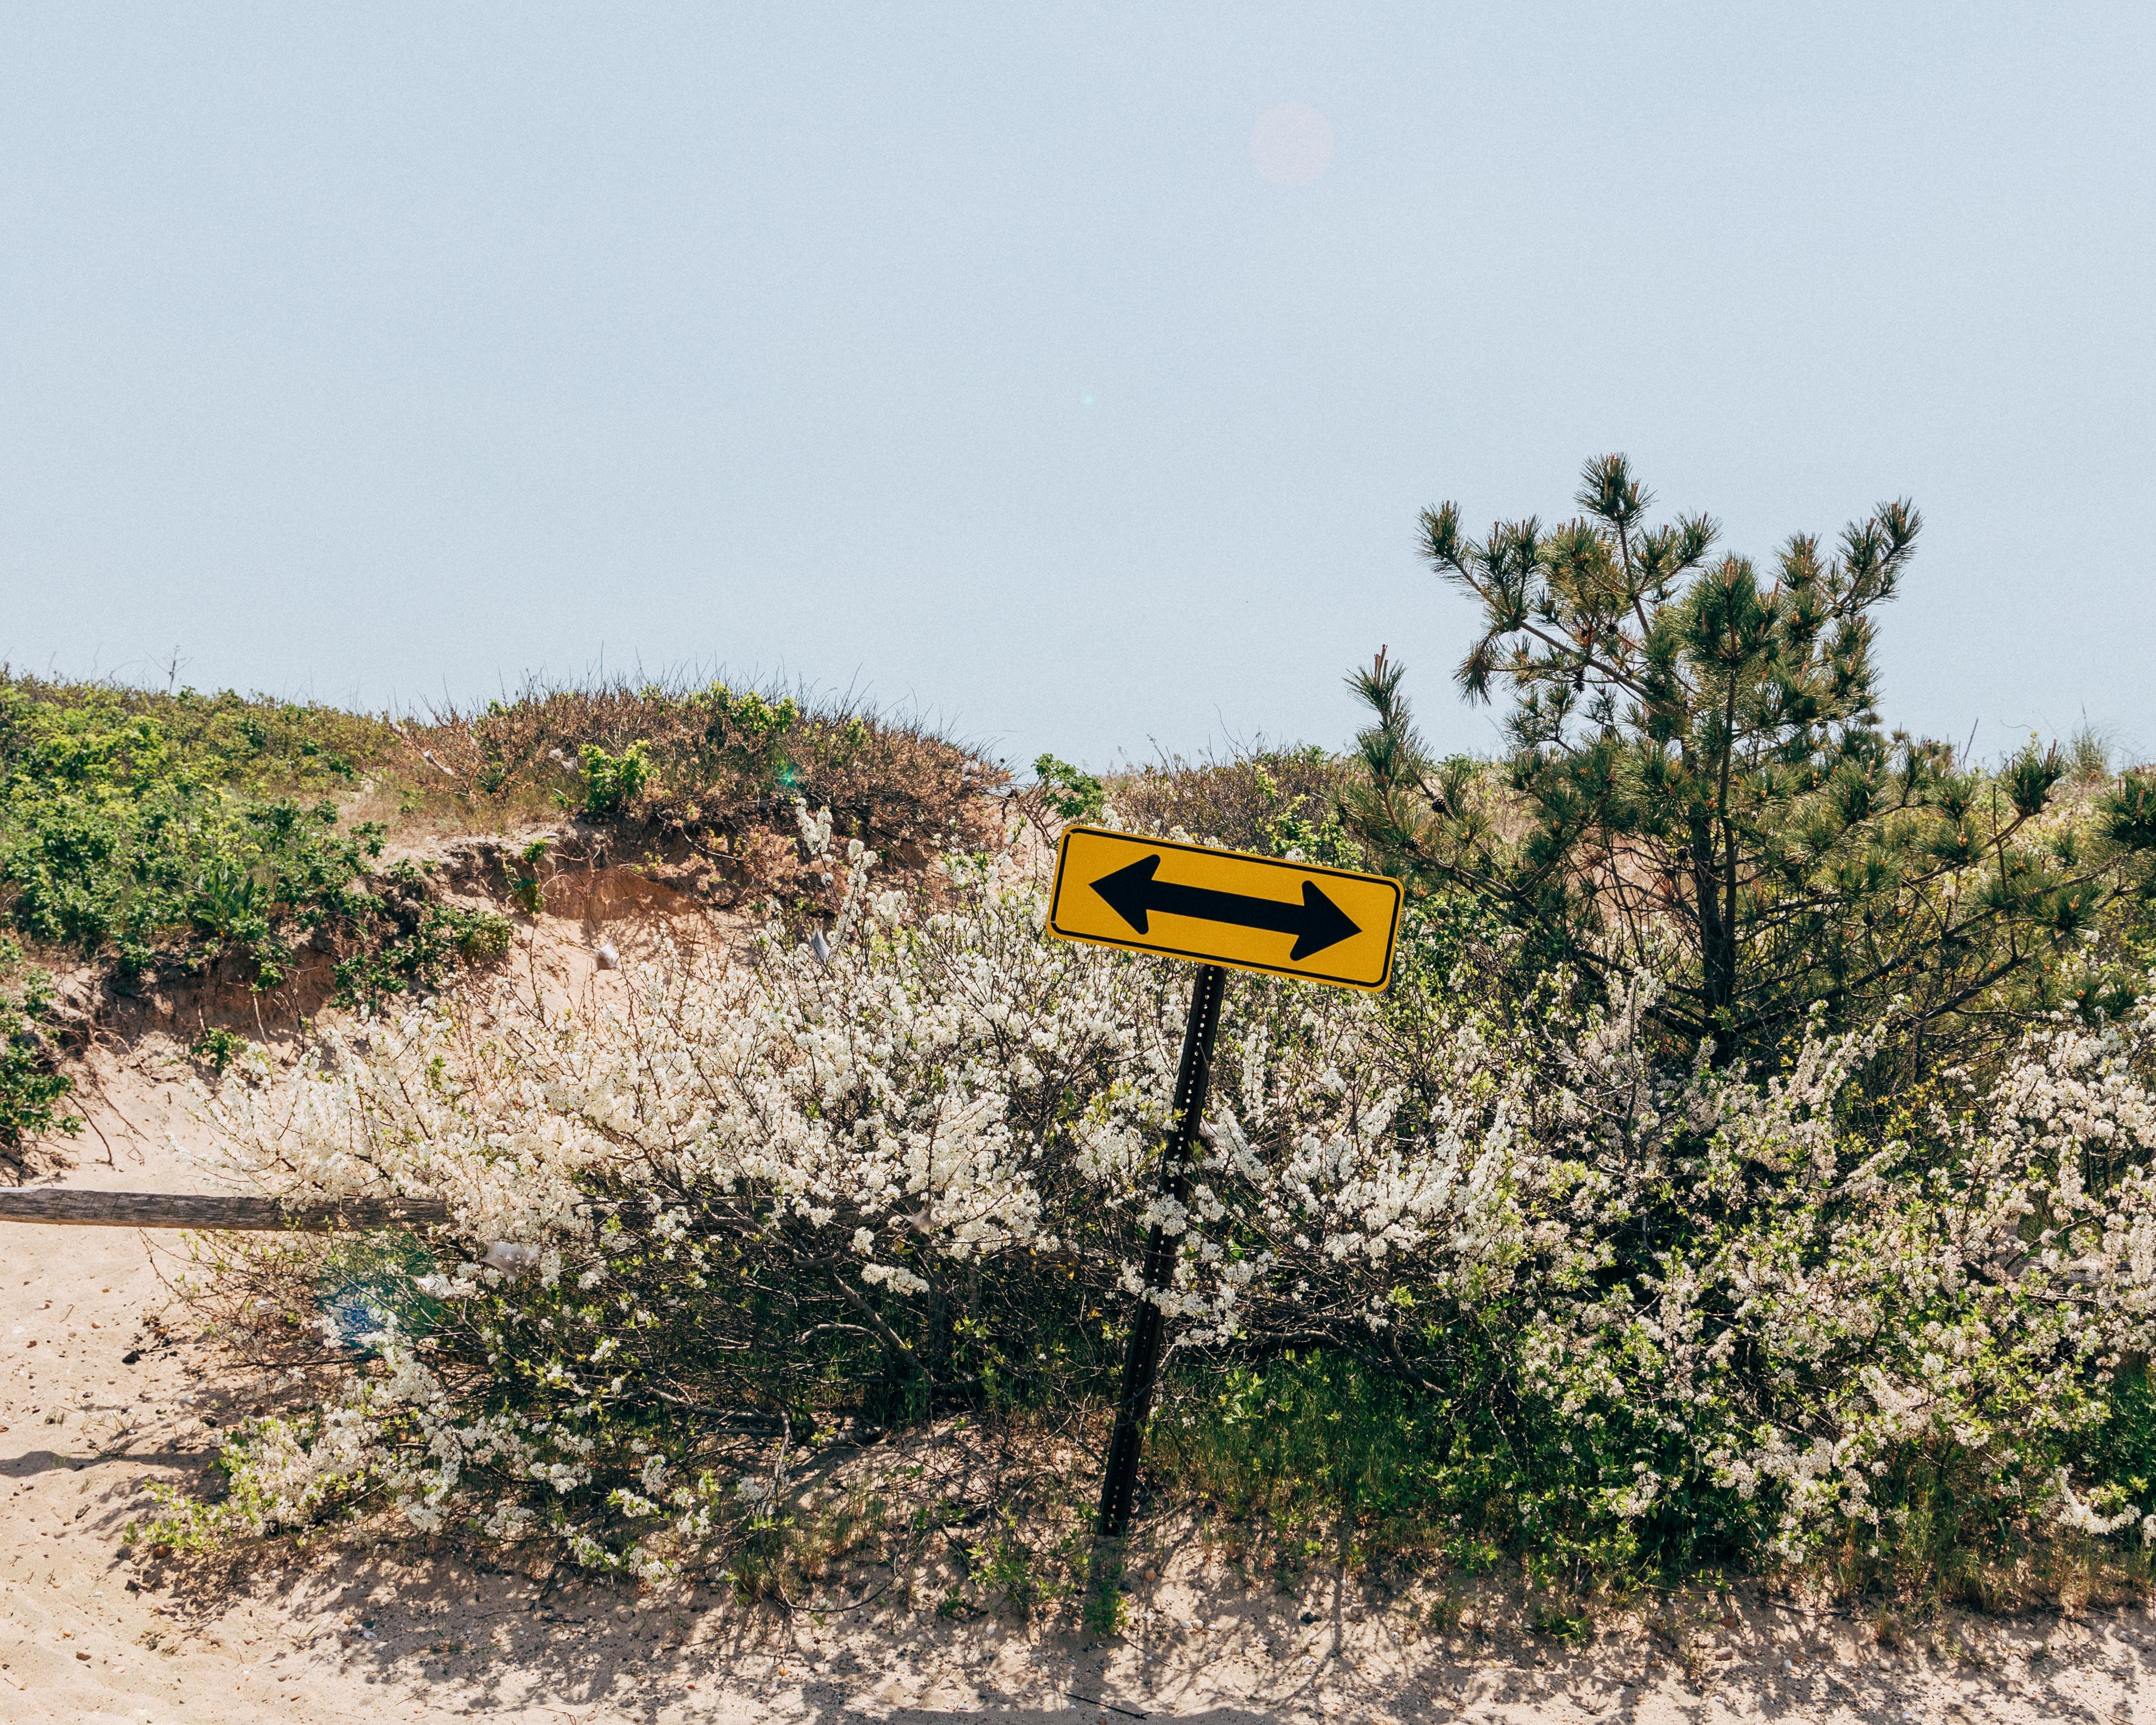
x: 1628, y: 1308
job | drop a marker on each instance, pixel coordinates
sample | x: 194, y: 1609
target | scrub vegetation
x: 33, y: 1090
x: 157, y: 839
x: 1750, y: 1170
x: 179, y: 832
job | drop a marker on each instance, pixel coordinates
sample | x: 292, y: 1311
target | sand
x: 108, y: 1386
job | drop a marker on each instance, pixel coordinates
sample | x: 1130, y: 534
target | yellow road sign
x: 1225, y: 907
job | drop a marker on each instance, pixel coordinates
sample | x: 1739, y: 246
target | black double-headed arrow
x: 1317, y: 923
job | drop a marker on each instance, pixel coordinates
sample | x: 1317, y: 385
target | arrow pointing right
x: 1135, y: 893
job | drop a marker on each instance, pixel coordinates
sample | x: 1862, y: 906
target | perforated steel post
x: 1193, y: 1076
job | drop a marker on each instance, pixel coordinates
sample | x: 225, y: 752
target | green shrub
x: 612, y: 783
x: 116, y: 839
x: 30, y: 1091
x: 217, y: 1047
x: 182, y: 835
x: 422, y: 954
x: 1324, y: 1456
x: 524, y: 883
x: 1072, y: 795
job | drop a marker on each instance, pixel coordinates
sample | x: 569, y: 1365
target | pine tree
x: 1697, y: 781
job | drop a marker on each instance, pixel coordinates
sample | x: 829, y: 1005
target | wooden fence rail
x: 73, y: 1209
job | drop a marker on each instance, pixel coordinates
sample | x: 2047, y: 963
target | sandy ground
x: 99, y: 1399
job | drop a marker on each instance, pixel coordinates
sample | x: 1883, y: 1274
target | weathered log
x: 77, y: 1209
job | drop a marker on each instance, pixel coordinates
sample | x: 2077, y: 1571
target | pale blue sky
x: 962, y: 354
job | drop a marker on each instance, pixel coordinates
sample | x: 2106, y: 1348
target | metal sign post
x: 1222, y: 908
x: 1194, y: 1076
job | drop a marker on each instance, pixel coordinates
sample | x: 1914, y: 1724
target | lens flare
x: 1291, y: 144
